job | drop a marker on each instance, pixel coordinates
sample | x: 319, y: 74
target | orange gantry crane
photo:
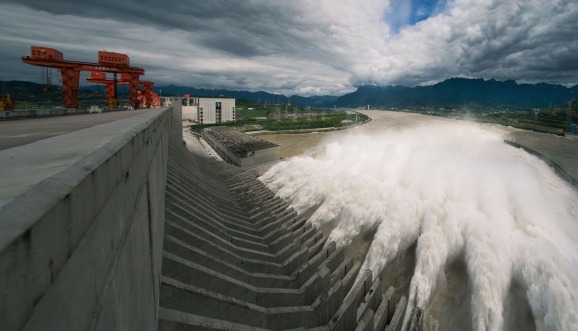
x: 70, y: 70
x: 147, y: 98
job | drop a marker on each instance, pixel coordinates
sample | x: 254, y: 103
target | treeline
x: 313, y: 122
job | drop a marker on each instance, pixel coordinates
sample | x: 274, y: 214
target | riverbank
x: 560, y: 152
x: 316, y: 130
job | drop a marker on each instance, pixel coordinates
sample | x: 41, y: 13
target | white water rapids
x: 460, y: 192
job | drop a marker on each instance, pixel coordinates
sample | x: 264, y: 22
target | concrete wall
x: 252, y: 160
x: 261, y: 156
x: 208, y: 110
x: 82, y: 249
x: 559, y: 170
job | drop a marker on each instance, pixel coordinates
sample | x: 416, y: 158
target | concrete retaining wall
x: 81, y: 249
x: 559, y: 170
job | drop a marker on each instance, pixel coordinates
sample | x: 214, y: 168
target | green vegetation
x: 551, y: 120
x: 315, y: 120
x: 247, y: 110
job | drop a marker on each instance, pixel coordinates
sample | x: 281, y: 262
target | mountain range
x: 449, y: 93
x: 256, y: 97
x: 462, y: 91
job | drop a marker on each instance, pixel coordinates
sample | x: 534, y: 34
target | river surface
x: 479, y: 234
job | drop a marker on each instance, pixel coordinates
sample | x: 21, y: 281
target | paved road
x: 25, y: 131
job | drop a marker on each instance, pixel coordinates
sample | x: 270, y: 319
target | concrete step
x: 233, y: 230
x: 245, y: 248
x: 236, y: 257
x: 174, y: 320
x: 191, y: 273
x: 177, y: 248
x: 190, y: 299
x: 214, y: 244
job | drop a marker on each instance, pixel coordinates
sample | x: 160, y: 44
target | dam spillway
x: 237, y: 257
x: 117, y: 226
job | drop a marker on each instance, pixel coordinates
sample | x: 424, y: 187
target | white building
x: 201, y: 110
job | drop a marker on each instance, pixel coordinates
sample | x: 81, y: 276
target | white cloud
x: 303, y: 46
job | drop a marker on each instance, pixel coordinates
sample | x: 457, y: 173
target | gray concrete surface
x: 28, y: 165
x: 237, y: 257
x: 81, y: 226
x: 562, y: 151
x: 19, y: 132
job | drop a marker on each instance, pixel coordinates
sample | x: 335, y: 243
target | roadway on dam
x: 48, y: 146
x: 20, y: 132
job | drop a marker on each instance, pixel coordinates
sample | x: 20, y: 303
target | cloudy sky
x: 305, y: 47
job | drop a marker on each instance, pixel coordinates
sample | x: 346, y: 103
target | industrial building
x: 201, y: 110
x: 239, y: 148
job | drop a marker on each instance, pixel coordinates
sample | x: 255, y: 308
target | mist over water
x: 459, y: 192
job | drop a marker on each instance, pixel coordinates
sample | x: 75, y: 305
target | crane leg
x: 70, y: 83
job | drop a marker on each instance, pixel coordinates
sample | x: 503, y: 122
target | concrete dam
x: 120, y: 227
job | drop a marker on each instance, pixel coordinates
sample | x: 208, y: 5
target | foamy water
x: 460, y: 192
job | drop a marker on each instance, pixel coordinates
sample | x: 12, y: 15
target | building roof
x: 237, y: 141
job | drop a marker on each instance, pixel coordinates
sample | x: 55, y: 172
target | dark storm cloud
x: 307, y: 47
x: 527, y: 43
x: 231, y: 45
x: 238, y: 27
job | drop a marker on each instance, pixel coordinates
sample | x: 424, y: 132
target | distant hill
x: 256, y: 97
x: 22, y: 90
x: 29, y: 91
x: 449, y: 93
x: 460, y: 91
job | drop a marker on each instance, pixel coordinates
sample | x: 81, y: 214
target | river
x: 479, y: 234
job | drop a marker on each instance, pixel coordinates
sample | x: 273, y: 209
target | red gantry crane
x: 147, y: 98
x: 70, y: 70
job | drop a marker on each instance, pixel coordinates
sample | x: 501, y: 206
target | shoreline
x: 298, y: 131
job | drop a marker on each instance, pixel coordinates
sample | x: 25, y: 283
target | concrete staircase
x: 238, y: 258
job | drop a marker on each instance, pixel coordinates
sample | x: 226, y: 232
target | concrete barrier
x: 81, y: 235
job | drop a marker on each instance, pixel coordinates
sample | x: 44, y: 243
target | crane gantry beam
x: 70, y: 71
x: 99, y: 78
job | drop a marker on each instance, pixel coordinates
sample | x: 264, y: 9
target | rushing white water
x: 458, y: 191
